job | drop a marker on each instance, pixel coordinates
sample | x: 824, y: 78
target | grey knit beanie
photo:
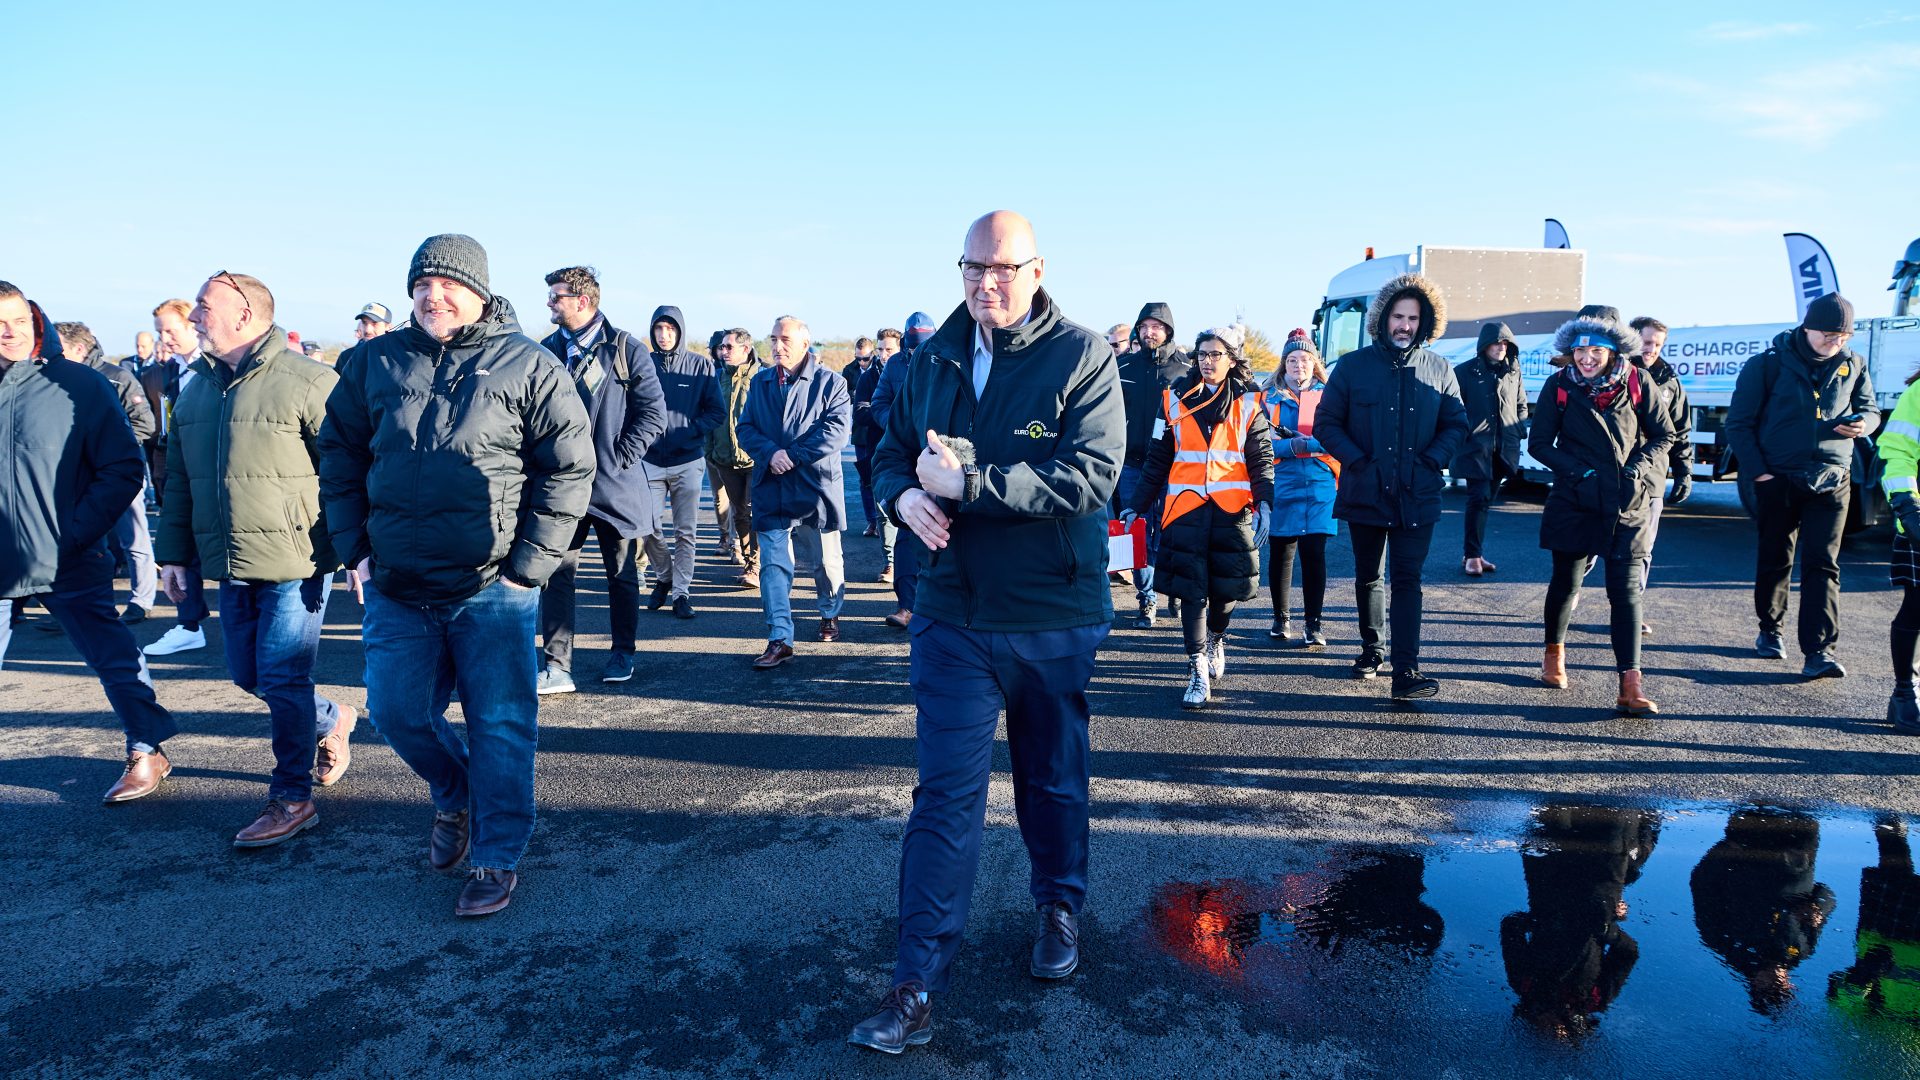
x: 451, y: 255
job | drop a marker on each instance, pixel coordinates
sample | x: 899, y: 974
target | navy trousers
x: 961, y: 678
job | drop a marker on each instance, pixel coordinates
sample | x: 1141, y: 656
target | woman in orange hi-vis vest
x: 1212, y: 459
x: 1305, y: 480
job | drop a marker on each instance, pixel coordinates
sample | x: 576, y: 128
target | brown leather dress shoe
x: 486, y: 891
x: 279, y: 821
x: 829, y: 629
x: 448, y: 842
x: 899, y: 619
x: 778, y: 652
x: 331, y: 758
x: 141, y: 778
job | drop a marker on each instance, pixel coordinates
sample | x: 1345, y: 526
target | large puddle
x: 1584, y: 940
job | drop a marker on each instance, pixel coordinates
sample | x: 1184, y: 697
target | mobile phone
x: 1850, y: 418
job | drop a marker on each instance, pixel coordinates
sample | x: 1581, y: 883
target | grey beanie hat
x: 451, y: 255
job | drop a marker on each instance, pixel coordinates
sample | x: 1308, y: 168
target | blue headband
x: 1595, y: 341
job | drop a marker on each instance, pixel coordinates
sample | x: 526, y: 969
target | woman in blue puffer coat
x: 1305, y: 478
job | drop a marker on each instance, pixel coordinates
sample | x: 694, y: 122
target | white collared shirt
x: 983, y: 353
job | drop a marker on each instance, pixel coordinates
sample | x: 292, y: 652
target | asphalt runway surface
x: 711, y: 887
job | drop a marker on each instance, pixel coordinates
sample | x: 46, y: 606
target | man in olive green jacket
x: 242, y: 463
x: 729, y: 468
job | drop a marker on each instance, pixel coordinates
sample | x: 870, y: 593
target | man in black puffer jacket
x: 1796, y: 410
x: 1496, y: 425
x: 455, y: 464
x: 1393, y: 417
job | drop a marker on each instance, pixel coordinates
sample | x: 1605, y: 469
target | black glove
x: 1907, y: 509
x: 1682, y: 488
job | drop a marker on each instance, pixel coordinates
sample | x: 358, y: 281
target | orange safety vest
x: 1309, y: 405
x: 1203, y: 472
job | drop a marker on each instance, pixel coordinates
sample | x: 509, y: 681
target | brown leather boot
x: 279, y: 821
x: 1553, y: 667
x: 1632, y: 701
x: 141, y: 778
x: 334, y: 753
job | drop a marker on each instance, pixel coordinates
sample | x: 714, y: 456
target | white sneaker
x: 1217, y: 655
x: 1199, y: 686
x: 178, y: 639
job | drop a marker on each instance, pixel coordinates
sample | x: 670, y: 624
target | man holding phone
x: 1796, y: 410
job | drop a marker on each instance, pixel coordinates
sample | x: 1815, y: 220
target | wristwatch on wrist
x: 970, y: 489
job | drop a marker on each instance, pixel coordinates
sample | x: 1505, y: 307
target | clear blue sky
x: 747, y: 160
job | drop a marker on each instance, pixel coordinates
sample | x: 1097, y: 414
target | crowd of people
x: 450, y: 469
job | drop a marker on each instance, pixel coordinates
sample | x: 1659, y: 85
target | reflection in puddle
x: 1694, y: 933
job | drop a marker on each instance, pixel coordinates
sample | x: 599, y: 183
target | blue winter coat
x: 811, y: 421
x: 626, y: 412
x: 1303, y: 487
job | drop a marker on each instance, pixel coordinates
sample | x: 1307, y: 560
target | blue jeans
x: 780, y: 551
x: 272, y: 637
x: 1123, y: 498
x: 93, y: 626
x: 416, y: 656
x: 961, y: 678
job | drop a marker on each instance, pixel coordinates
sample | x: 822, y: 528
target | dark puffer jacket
x: 1028, y: 547
x: 1620, y: 438
x: 626, y: 412
x: 1496, y: 408
x: 1393, y: 418
x: 133, y: 399
x: 453, y: 464
x: 69, y: 467
x: 1206, y: 552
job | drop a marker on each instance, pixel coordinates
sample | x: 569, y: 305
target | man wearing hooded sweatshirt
x: 1393, y: 417
x: 1496, y: 423
x: 62, y: 430
x: 903, y: 548
x: 1796, y: 410
x: 677, y: 460
x: 1013, y: 601
x: 129, y: 539
x: 455, y: 464
x: 1154, y: 364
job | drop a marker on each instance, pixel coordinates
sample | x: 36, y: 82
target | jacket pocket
x: 1068, y: 557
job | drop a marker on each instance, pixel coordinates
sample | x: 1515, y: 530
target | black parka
x: 1785, y: 404
x: 1623, y: 445
x: 1144, y: 373
x: 451, y: 464
x: 1208, y: 553
x: 1496, y: 406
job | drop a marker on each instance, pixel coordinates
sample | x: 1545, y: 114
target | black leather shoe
x: 134, y: 615
x: 1768, y: 646
x: 1903, y: 711
x: 661, y: 590
x: 905, y: 1019
x: 1410, y: 685
x: 1057, y: 951
x: 1822, y: 665
x: 447, y: 845
x: 1368, y: 665
x: 486, y: 892
x: 683, y: 607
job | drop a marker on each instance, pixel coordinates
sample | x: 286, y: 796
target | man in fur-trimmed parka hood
x: 1393, y: 416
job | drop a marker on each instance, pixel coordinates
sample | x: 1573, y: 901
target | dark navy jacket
x: 1028, y: 549
x: 626, y: 412
x: 694, y: 404
x: 69, y: 467
x: 810, y: 420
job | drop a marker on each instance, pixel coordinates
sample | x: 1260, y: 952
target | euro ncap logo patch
x: 1037, y: 430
